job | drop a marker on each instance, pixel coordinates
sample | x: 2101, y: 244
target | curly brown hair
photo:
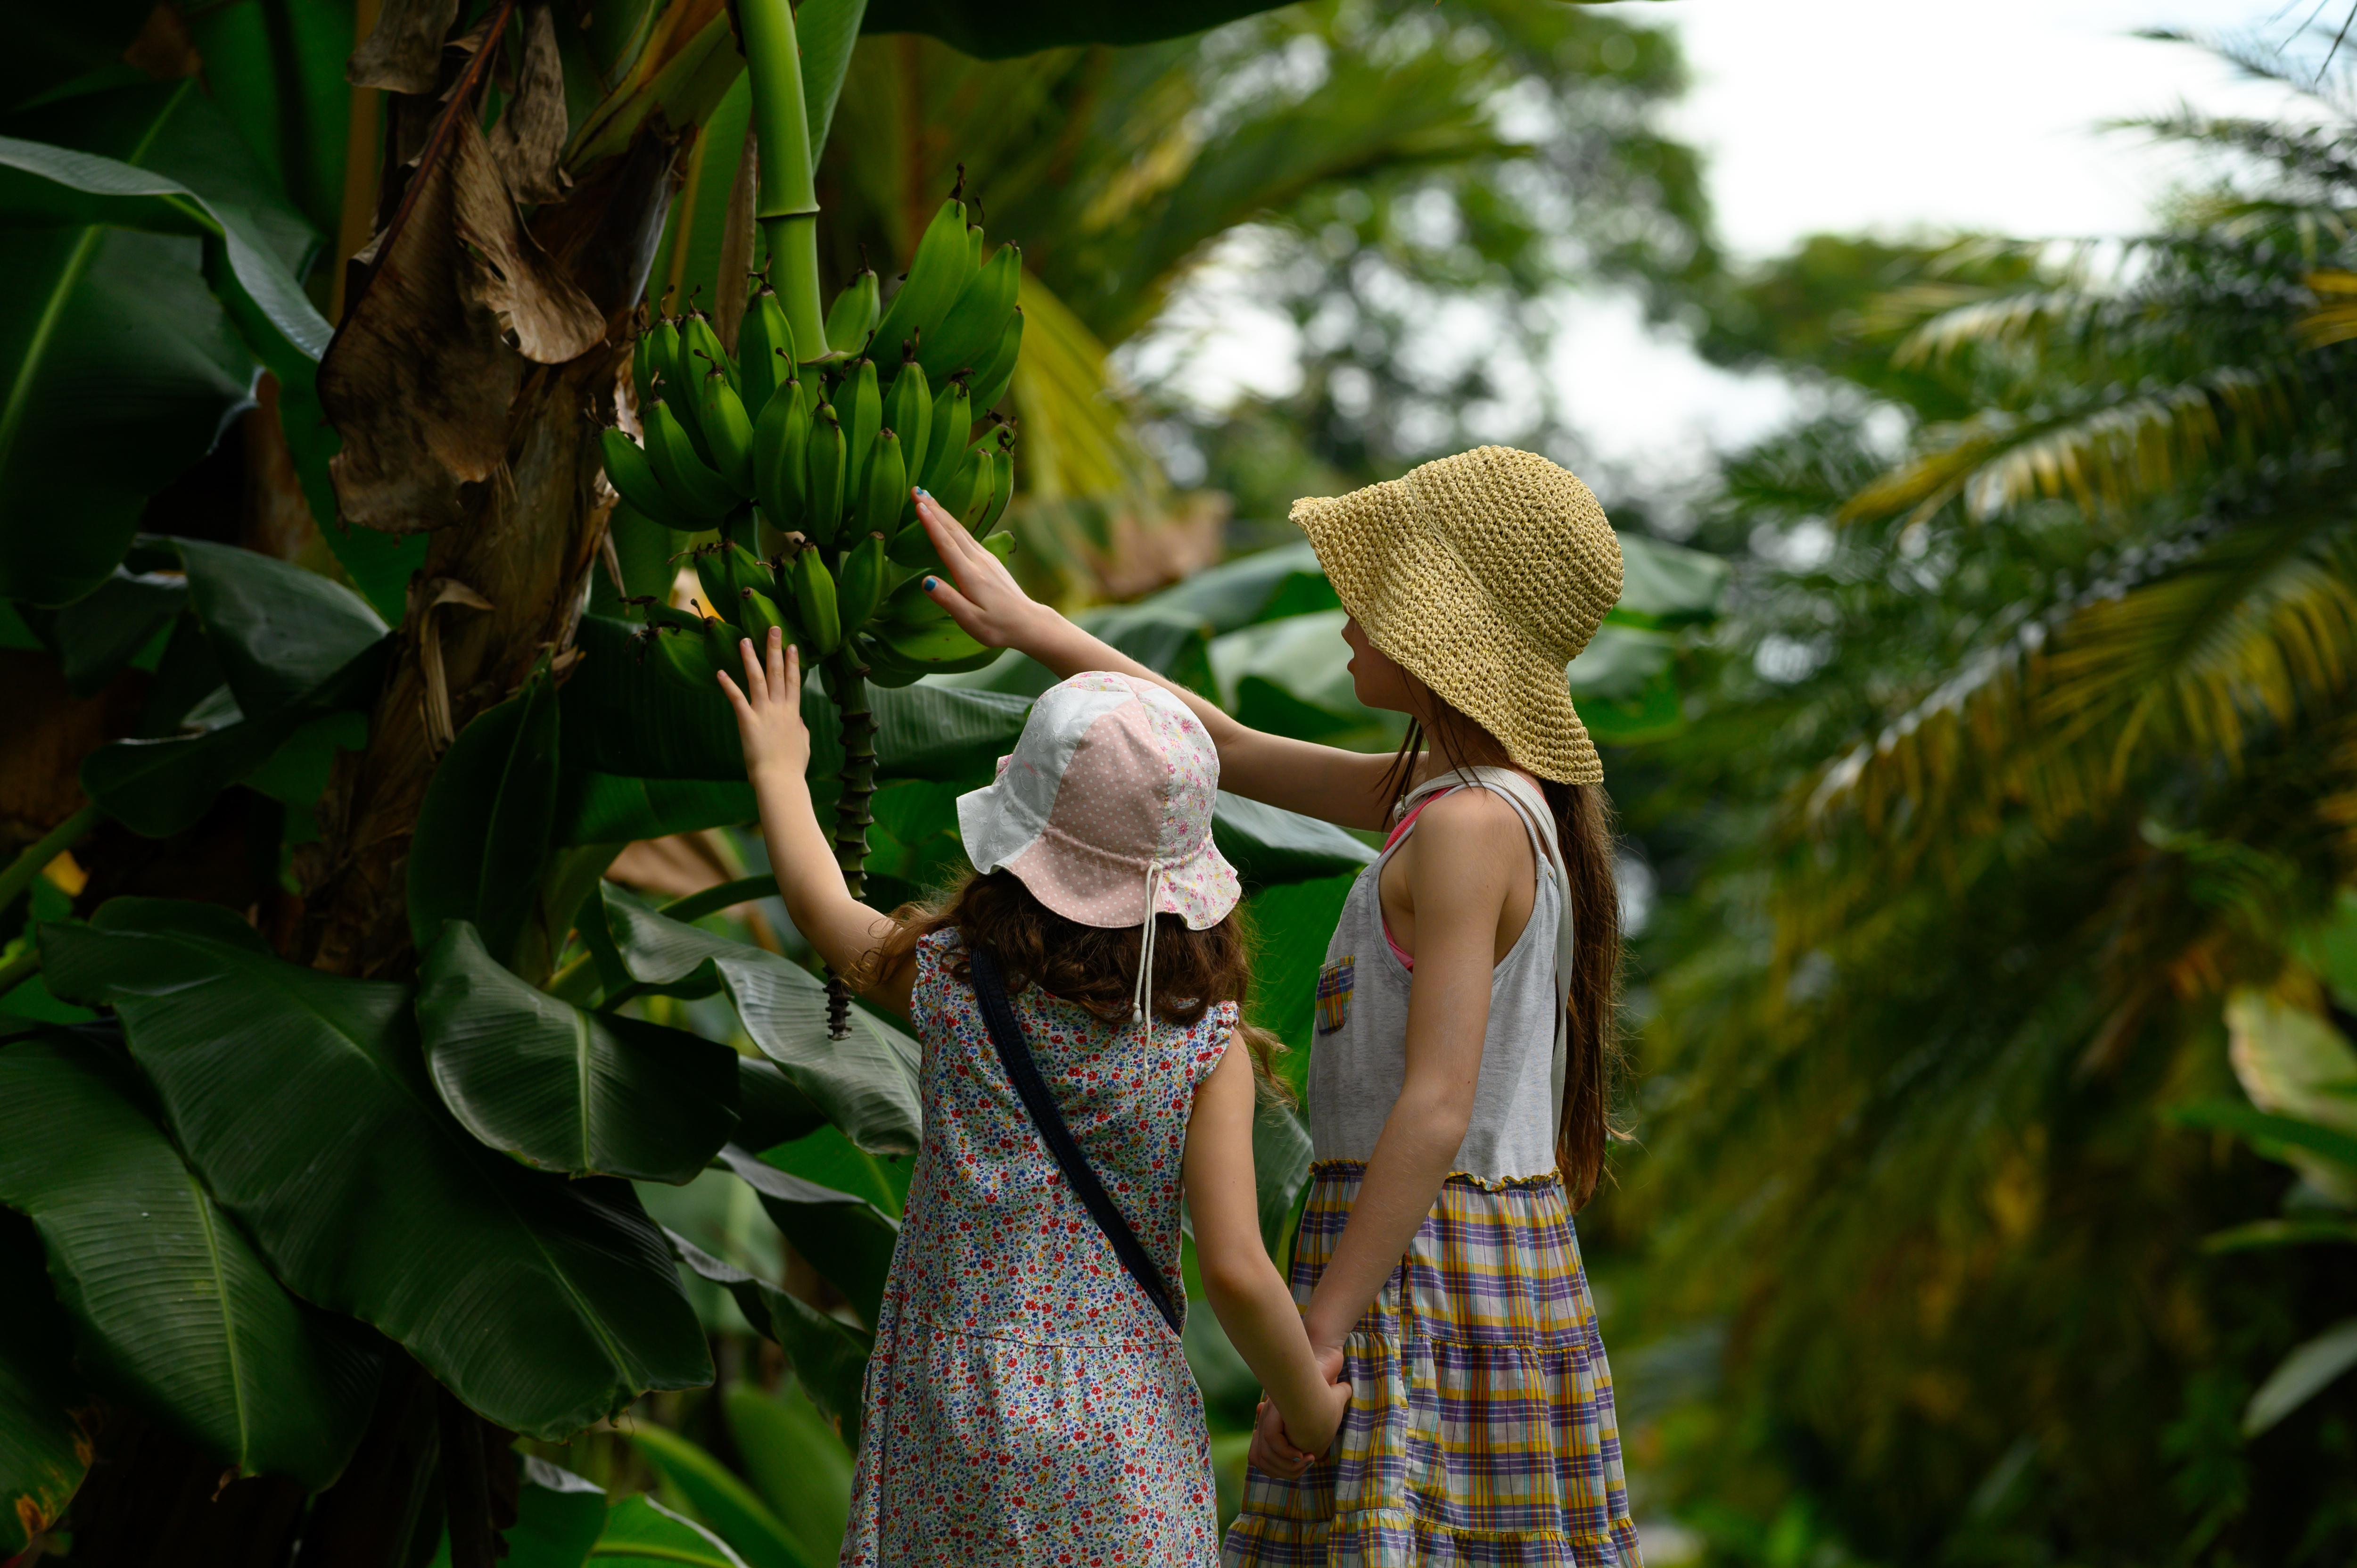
x: 1094, y: 966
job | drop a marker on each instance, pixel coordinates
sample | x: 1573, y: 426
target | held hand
x: 981, y: 595
x: 769, y: 709
x: 1313, y: 1433
x: 1272, y: 1452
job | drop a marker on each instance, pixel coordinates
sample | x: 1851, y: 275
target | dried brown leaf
x: 530, y: 136
x: 421, y: 374
x: 405, y: 53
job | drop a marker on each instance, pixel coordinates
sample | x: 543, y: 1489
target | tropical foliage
x: 2019, y: 788
x: 357, y: 1127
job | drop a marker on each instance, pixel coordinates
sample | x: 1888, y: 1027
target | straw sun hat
x: 1482, y: 576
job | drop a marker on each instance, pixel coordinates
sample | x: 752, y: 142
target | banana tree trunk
x: 852, y: 815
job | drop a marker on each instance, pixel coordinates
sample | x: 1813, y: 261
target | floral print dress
x: 1025, y: 1402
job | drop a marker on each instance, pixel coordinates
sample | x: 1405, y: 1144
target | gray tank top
x: 1359, y: 1058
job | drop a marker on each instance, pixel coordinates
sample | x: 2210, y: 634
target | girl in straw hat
x: 1464, y: 1037
x: 1028, y: 1400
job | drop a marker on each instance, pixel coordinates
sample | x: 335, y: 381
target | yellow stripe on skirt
x: 1480, y: 1429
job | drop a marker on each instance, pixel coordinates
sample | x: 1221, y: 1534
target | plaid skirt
x: 1481, y: 1428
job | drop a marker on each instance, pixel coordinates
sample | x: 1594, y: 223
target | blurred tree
x: 2030, y: 738
x: 1388, y: 175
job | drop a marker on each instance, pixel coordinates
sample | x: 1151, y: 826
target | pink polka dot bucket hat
x: 1103, y: 809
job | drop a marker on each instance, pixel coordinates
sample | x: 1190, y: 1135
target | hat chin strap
x: 1142, y: 999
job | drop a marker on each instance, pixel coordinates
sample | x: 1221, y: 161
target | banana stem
x: 852, y: 816
x: 785, y: 198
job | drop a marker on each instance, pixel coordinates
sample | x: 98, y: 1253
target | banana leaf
x: 170, y: 1304
x: 488, y: 822
x: 769, y: 1109
x: 639, y: 1532
x: 303, y: 1101
x: 1270, y: 847
x: 867, y: 1083
x: 1281, y: 1174
x: 609, y: 808
x: 559, y: 1516
x: 1266, y: 585
x: 1293, y: 923
x: 1172, y: 643
x: 158, y: 788
x: 98, y: 635
x: 588, y: 1094
x: 723, y: 1501
x: 2305, y: 1373
x: 844, y: 1238
x: 795, y: 1460
x: 277, y: 74
x: 278, y: 630
x: 44, y: 1446
x: 123, y: 366
x: 1664, y: 585
x: 830, y: 1359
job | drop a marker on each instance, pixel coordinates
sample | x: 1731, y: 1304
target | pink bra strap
x: 1398, y: 833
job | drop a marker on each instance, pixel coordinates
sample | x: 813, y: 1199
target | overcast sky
x: 1892, y: 116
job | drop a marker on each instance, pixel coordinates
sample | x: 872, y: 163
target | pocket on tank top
x: 1335, y: 983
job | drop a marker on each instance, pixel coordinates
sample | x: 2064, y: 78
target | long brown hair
x: 1583, y: 825
x: 1094, y: 966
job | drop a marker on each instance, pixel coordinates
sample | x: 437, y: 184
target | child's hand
x: 1272, y: 1452
x: 985, y: 600
x: 769, y: 709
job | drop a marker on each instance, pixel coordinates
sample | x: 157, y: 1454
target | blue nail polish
x: 930, y: 584
x: 925, y: 492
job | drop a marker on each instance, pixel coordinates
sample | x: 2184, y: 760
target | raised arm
x: 847, y: 933
x: 1344, y: 787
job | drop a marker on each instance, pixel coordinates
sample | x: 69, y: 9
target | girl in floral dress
x: 1027, y: 1400
x: 1464, y: 1026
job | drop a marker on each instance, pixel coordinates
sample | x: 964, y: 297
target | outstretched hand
x: 981, y: 594
x: 770, y: 709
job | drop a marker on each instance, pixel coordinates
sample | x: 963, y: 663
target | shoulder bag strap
x: 1014, y: 1056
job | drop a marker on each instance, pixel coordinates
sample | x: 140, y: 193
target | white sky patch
x: 1819, y: 116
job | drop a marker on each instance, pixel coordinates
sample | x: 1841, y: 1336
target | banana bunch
x: 818, y: 446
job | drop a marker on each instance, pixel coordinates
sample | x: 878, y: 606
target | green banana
x: 969, y: 334
x: 863, y: 582
x: 662, y: 356
x: 910, y: 609
x: 937, y: 275
x: 757, y: 613
x: 852, y: 317
x: 913, y: 550
x: 633, y: 478
x: 726, y: 431
x: 764, y: 351
x: 971, y: 486
x: 724, y: 570
x: 720, y: 650
x: 823, y: 517
x: 862, y: 407
x: 909, y: 410
x: 678, y: 653
x: 886, y: 667
x: 690, y: 484
x: 946, y: 434
x: 942, y: 640
x: 973, y: 241
x: 814, y: 603
x: 699, y: 341
x: 1002, y: 490
x: 781, y: 457
x: 991, y: 381
x: 884, y: 489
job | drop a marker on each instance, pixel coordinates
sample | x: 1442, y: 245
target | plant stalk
x: 785, y: 199
x: 852, y: 815
x: 36, y: 855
